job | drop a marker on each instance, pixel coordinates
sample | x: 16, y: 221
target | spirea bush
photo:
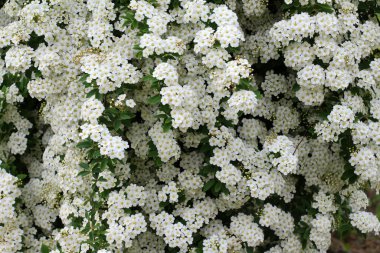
x: 162, y: 126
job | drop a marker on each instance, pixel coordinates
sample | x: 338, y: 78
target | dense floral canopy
x: 215, y: 126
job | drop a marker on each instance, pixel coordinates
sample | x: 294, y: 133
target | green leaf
x: 218, y: 186
x: 205, y: 146
x: 134, y: 24
x: 208, y: 169
x: 344, y: 228
x: 152, y: 151
x: 174, y: 4
x: 163, y: 204
x: 303, y: 231
x: 143, y: 28
x: 83, y: 173
x: 127, y: 115
x: 86, y: 229
x: 349, y: 173
x: 157, y: 161
x: 83, y: 78
x: 94, y: 92
x: 129, y: 19
x: 157, y: 85
x: 166, y: 128
x: 208, y: 185
x: 353, y: 179
x: 296, y: 87
x: 167, y: 124
x: 163, y: 116
x: 44, y: 249
x: 94, y: 154
x: 76, y: 222
x: 84, y: 166
x: 154, y: 100
x: 258, y: 94
x: 377, y: 14
x: 87, y: 143
x: 137, y: 47
x: 233, y: 50
x: 149, y: 78
x: 225, y: 190
x: 181, y: 197
x: 21, y: 176
x: 168, y: 56
x: 247, y: 248
x: 117, y: 124
x: 102, y: 179
x: 324, y: 8
x: 153, y: 2
x: 165, y: 108
x: 139, y: 55
x: 244, y: 84
x: 103, y: 164
x: 112, y: 111
x: 96, y: 169
x: 38, y: 73
x: 222, y: 121
x: 99, y: 96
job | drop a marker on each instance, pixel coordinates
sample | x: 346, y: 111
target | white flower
x: 92, y: 109
x: 130, y: 103
x: 166, y: 72
x: 366, y: 222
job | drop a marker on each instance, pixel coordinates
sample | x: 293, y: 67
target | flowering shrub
x: 210, y: 126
